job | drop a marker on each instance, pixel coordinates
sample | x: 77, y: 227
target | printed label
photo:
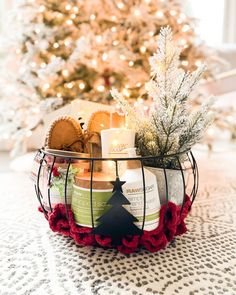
x: 134, y: 193
x: 81, y: 205
x: 57, y: 196
x: 117, y: 148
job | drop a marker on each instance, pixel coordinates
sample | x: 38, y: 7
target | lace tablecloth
x: 34, y: 260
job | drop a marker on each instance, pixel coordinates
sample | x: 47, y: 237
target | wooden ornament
x: 66, y: 134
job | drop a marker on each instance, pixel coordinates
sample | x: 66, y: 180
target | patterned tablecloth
x: 34, y: 260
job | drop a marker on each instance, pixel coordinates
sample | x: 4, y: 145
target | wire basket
x: 117, y: 226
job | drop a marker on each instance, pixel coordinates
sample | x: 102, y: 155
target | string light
x: 230, y: 118
x: 36, y: 110
x: 126, y: 92
x: 185, y: 28
x: 131, y: 63
x: 94, y: 62
x: 68, y: 7
x: 92, y: 16
x: 41, y: 8
x: 67, y: 43
x: 65, y: 73
x: 151, y: 33
x: 69, y: 85
x: 115, y: 42
x: 113, y: 18
x: 59, y: 15
x: 184, y: 63
x: 122, y: 57
x: 173, y: 12
x: 137, y: 12
x: 182, y: 15
x: 120, y: 5
x: 59, y: 95
x: 159, y: 14
x: 52, y: 57
x: 138, y: 84
x: 69, y: 22
x: 46, y: 86
x: 18, y: 51
x: 37, y: 31
x: 33, y: 64
x: 100, y: 88
x: 179, y: 21
x: 143, y: 49
x: 113, y: 29
x: 73, y: 16
x: 182, y: 42
x: 198, y: 63
x: 99, y: 39
x: 22, y: 70
x: 43, y: 65
x: 76, y: 9
x: 104, y: 56
x: 56, y: 45
x: 81, y: 85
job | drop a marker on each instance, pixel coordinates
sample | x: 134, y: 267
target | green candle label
x: 81, y: 205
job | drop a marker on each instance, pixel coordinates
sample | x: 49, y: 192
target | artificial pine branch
x: 169, y: 129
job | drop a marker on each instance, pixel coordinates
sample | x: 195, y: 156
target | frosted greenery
x: 170, y: 128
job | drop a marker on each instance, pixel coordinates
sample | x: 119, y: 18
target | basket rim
x: 138, y: 158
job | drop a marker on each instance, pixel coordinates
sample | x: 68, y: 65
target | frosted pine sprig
x: 170, y: 128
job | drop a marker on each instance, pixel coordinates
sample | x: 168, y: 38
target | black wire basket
x: 116, y: 226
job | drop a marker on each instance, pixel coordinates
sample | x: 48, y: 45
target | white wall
x: 210, y: 14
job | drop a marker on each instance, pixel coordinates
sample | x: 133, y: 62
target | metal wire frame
x: 36, y: 186
x: 43, y: 153
x: 49, y: 182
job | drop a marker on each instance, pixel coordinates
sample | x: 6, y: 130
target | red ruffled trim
x: 58, y: 221
x: 171, y: 224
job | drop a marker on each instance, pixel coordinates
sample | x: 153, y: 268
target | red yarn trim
x: 171, y: 224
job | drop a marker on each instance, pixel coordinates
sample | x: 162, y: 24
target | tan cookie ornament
x: 65, y: 134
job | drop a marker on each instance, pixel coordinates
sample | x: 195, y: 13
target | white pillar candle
x: 114, y: 142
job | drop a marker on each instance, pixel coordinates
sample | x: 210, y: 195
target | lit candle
x: 117, y: 138
x: 81, y: 204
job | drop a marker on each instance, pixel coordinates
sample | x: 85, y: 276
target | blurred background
x: 52, y: 63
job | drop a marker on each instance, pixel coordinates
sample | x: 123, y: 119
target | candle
x: 81, y: 203
x: 115, y: 140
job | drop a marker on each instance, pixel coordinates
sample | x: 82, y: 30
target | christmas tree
x: 70, y: 49
x: 117, y: 221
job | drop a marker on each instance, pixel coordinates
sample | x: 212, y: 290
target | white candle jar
x: 114, y: 142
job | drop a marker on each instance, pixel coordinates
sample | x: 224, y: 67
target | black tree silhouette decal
x: 117, y: 222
